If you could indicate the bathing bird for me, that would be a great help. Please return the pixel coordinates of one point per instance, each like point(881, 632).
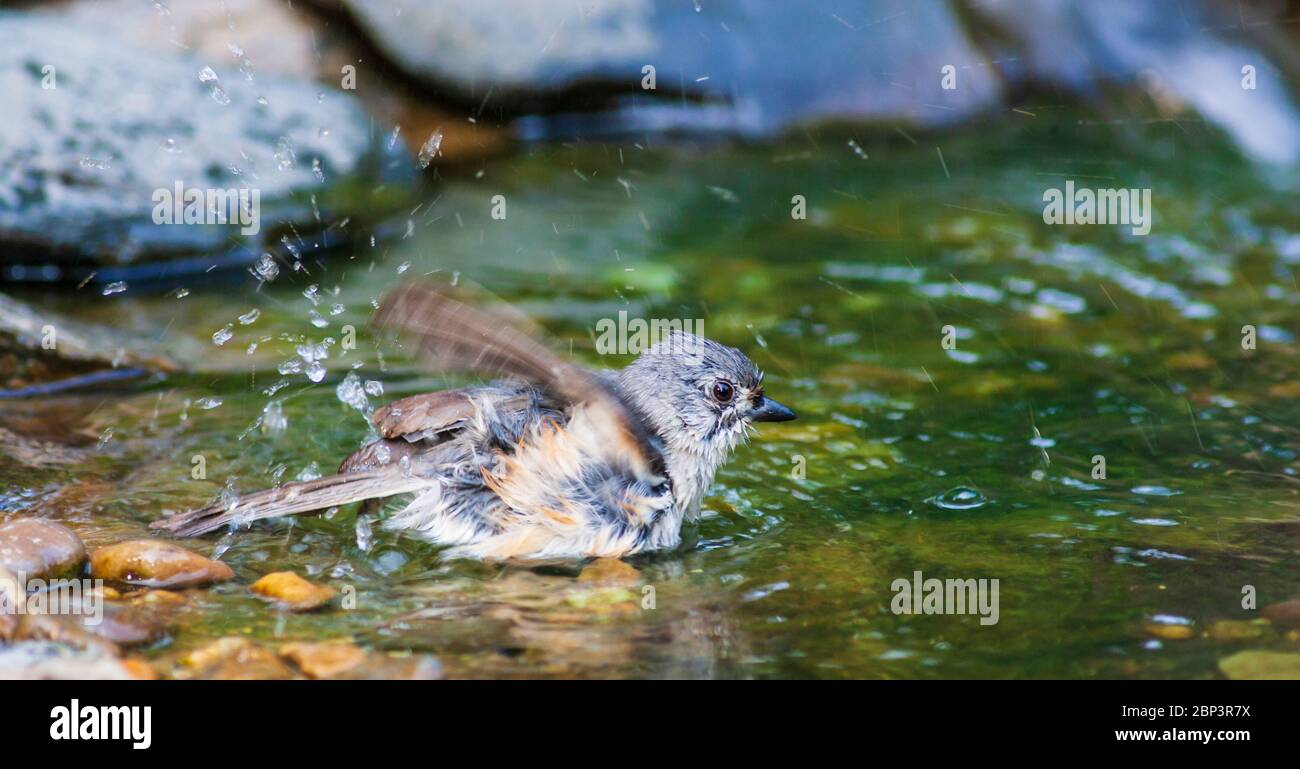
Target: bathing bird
point(551, 460)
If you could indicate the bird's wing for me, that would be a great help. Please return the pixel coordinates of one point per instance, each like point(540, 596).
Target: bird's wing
point(428, 414)
point(453, 334)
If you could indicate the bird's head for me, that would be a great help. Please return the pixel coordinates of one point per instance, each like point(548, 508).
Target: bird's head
point(699, 396)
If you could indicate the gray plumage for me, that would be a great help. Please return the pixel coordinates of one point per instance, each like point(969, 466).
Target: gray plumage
point(556, 461)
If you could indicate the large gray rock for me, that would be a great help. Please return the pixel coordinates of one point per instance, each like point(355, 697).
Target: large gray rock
point(92, 129)
point(748, 66)
point(757, 68)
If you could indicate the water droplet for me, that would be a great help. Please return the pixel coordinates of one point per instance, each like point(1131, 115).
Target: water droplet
point(959, 498)
point(249, 317)
point(273, 419)
point(351, 392)
point(116, 287)
point(266, 269)
point(365, 534)
point(284, 154)
point(430, 149)
point(207, 404)
point(223, 334)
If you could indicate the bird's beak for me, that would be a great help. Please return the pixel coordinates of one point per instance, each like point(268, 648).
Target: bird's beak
point(771, 411)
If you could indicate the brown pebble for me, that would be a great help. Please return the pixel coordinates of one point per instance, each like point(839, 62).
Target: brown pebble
point(1238, 630)
point(153, 563)
point(1285, 614)
point(610, 571)
point(420, 667)
point(139, 669)
point(292, 592)
point(35, 548)
point(1169, 632)
point(1261, 665)
point(234, 658)
point(322, 660)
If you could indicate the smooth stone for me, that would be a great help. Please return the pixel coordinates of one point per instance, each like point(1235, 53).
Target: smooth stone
point(420, 667)
point(81, 349)
point(63, 631)
point(43, 660)
point(1285, 614)
point(122, 123)
point(322, 660)
point(758, 69)
point(289, 591)
point(1238, 630)
point(139, 669)
point(10, 597)
point(733, 61)
point(1261, 665)
point(153, 563)
point(35, 548)
point(1169, 631)
point(233, 658)
point(610, 571)
point(117, 623)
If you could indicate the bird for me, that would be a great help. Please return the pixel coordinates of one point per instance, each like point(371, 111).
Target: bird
point(552, 460)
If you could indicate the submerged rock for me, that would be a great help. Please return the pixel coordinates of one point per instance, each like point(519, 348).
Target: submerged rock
point(53, 661)
point(419, 667)
point(610, 571)
point(38, 549)
point(1234, 630)
point(289, 591)
point(1285, 614)
point(1261, 665)
point(233, 658)
point(152, 563)
point(42, 351)
point(98, 137)
point(323, 660)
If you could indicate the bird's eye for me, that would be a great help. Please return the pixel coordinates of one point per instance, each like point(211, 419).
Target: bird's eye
point(723, 392)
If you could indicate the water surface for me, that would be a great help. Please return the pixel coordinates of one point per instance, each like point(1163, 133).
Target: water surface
point(976, 462)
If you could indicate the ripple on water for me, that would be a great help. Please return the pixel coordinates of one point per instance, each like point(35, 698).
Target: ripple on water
point(958, 498)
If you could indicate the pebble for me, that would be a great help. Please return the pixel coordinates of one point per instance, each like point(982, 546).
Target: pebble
point(289, 591)
point(323, 660)
point(1261, 665)
point(153, 563)
point(1285, 614)
point(610, 571)
point(233, 658)
point(1169, 632)
point(1238, 630)
point(39, 549)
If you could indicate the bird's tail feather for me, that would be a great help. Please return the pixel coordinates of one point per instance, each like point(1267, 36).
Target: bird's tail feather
point(291, 499)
